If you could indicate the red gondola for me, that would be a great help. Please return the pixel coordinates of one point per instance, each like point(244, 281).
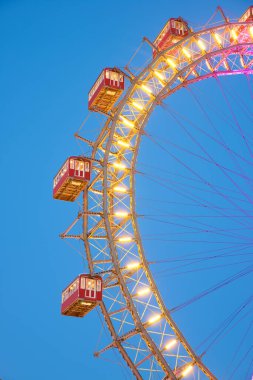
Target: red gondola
point(106, 90)
point(174, 30)
point(82, 295)
point(71, 179)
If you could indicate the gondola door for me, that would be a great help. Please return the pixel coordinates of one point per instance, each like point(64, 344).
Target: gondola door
point(81, 169)
point(90, 289)
point(77, 168)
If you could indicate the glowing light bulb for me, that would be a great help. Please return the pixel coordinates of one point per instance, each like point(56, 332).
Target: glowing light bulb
point(186, 53)
point(171, 63)
point(226, 65)
point(120, 189)
point(217, 38)
point(242, 62)
point(123, 143)
point(138, 106)
point(159, 75)
point(187, 370)
point(133, 265)
point(201, 45)
point(127, 122)
point(125, 239)
point(143, 291)
point(208, 65)
point(146, 89)
point(234, 34)
point(154, 319)
point(251, 31)
point(121, 214)
point(171, 344)
point(119, 165)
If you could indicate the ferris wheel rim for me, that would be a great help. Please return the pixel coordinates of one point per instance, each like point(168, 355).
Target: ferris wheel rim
point(112, 122)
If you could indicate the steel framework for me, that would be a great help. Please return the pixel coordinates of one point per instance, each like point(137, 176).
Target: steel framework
point(141, 326)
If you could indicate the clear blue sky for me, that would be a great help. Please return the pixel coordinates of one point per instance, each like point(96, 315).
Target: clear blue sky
point(51, 53)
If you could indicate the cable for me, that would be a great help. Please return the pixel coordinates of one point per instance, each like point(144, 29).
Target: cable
point(246, 271)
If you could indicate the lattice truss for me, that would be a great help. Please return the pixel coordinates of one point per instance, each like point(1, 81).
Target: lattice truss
point(141, 326)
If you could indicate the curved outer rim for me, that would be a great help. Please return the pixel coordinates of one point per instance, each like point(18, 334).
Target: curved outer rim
point(110, 126)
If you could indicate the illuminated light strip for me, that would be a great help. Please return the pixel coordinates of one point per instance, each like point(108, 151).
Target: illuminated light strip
point(208, 65)
point(121, 214)
point(242, 61)
point(186, 53)
point(218, 38)
point(133, 265)
point(127, 122)
point(201, 45)
point(194, 72)
point(147, 89)
point(251, 31)
point(125, 239)
point(143, 292)
point(119, 165)
point(154, 319)
point(120, 189)
point(159, 75)
point(171, 63)
point(226, 65)
point(234, 35)
point(160, 78)
point(138, 106)
point(187, 370)
point(123, 143)
point(170, 344)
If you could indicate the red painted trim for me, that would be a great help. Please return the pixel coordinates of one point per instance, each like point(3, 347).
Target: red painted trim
point(80, 293)
point(70, 173)
point(105, 83)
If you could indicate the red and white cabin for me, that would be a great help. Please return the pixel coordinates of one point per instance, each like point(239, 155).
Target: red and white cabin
point(82, 295)
point(247, 16)
point(175, 30)
point(72, 178)
point(106, 90)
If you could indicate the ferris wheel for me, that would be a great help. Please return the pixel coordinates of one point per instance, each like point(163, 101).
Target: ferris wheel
point(120, 281)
